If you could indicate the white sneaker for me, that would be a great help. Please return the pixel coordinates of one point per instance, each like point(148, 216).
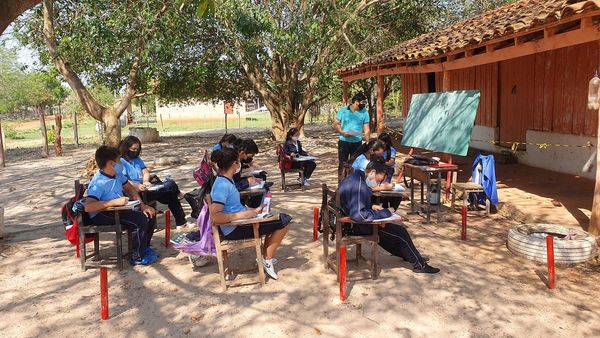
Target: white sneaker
point(274, 261)
point(269, 268)
point(199, 261)
point(307, 183)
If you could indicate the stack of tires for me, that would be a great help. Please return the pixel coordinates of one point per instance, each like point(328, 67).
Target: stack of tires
point(571, 245)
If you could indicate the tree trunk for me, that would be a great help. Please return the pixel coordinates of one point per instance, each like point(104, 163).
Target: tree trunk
point(57, 138)
point(75, 132)
point(2, 153)
point(594, 227)
point(112, 131)
point(42, 113)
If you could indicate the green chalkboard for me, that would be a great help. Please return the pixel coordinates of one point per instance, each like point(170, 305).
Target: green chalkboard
point(441, 121)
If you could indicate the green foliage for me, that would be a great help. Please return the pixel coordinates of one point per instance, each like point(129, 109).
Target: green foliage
point(50, 135)
point(102, 94)
point(10, 132)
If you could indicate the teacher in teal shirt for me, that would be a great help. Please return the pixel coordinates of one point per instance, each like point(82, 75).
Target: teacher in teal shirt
point(352, 125)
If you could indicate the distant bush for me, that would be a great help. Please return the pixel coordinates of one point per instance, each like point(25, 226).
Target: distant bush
point(50, 135)
point(11, 133)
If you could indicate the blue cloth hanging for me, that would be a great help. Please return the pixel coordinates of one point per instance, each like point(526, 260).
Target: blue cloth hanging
point(487, 179)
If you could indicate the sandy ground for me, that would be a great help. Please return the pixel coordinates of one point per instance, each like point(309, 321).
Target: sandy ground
point(482, 290)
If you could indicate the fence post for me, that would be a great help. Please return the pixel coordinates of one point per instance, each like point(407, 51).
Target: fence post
point(550, 255)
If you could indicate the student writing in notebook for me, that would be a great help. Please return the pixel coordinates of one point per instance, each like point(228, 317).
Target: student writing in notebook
point(293, 147)
point(355, 199)
point(226, 208)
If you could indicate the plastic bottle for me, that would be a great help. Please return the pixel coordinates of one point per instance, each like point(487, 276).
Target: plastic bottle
point(267, 203)
point(593, 89)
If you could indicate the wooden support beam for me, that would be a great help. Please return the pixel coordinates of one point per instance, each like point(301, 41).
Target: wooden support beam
point(346, 93)
point(446, 80)
point(594, 227)
point(380, 97)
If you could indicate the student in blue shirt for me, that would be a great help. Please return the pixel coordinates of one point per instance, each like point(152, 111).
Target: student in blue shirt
point(108, 188)
point(351, 123)
point(226, 207)
point(366, 153)
point(356, 201)
point(389, 155)
point(227, 141)
point(135, 170)
point(293, 147)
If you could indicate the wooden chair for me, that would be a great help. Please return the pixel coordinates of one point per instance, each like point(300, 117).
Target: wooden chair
point(333, 210)
point(224, 247)
point(467, 188)
point(346, 170)
point(87, 228)
point(285, 165)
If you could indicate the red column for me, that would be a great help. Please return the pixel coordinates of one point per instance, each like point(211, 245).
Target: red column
point(380, 97)
point(342, 268)
point(104, 293)
point(463, 228)
point(550, 253)
point(167, 228)
point(346, 92)
point(315, 224)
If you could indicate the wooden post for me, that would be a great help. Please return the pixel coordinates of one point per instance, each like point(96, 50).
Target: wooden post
point(45, 151)
point(342, 272)
point(315, 224)
point(57, 138)
point(594, 227)
point(75, 132)
point(380, 97)
point(346, 93)
point(446, 80)
point(1, 222)
point(550, 259)
point(2, 153)
point(104, 293)
point(167, 228)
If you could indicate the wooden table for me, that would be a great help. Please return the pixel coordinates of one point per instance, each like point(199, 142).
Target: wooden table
point(428, 170)
point(390, 194)
point(248, 193)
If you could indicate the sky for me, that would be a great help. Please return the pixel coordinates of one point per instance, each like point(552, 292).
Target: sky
point(25, 55)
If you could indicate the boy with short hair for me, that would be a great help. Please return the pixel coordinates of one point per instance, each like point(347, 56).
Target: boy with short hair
point(107, 189)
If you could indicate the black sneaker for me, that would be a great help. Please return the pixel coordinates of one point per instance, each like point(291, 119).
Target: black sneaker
point(426, 269)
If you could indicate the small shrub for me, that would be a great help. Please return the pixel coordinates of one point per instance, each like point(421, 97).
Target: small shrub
point(11, 133)
point(50, 135)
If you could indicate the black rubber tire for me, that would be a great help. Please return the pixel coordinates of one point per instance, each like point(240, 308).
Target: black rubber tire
point(523, 241)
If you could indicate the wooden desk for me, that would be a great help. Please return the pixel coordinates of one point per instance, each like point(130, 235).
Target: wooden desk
point(245, 195)
point(390, 194)
point(428, 170)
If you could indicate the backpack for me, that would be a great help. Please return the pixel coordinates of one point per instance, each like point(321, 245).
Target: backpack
point(285, 160)
point(420, 160)
point(203, 173)
point(70, 212)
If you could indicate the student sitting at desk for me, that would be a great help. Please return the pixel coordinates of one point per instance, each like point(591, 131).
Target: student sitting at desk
point(227, 141)
point(389, 155)
point(227, 207)
point(293, 147)
point(135, 170)
point(355, 199)
point(246, 151)
point(365, 153)
point(106, 189)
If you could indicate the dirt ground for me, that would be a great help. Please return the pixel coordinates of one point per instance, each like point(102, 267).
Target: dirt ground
point(482, 289)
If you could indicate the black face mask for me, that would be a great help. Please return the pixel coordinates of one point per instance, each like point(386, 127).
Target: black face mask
point(361, 106)
point(133, 154)
point(246, 161)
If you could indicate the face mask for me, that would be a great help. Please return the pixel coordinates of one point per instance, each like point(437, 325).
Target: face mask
point(118, 168)
point(295, 139)
point(371, 182)
point(133, 154)
point(238, 169)
point(230, 146)
point(246, 161)
point(361, 106)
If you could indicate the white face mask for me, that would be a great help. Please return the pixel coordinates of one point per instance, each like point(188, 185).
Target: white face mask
point(239, 168)
point(295, 139)
point(371, 182)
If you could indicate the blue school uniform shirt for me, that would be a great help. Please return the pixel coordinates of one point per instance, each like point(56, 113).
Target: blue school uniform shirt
point(104, 187)
point(217, 146)
point(360, 163)
point(352, 122)
point(392, 154)
point(225, 192)
point(132, 169)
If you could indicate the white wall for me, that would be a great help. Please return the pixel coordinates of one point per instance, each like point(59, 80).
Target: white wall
point(568, 160)
point(194, 111)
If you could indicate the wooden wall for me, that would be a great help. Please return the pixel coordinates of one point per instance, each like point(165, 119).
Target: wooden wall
point(545, 91)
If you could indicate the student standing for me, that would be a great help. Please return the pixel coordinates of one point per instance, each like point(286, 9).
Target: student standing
point(352, 125)
point(293, 147)
point(226, 207)
point(107, 189)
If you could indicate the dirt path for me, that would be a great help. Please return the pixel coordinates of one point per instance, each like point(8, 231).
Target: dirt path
point(483, 290)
